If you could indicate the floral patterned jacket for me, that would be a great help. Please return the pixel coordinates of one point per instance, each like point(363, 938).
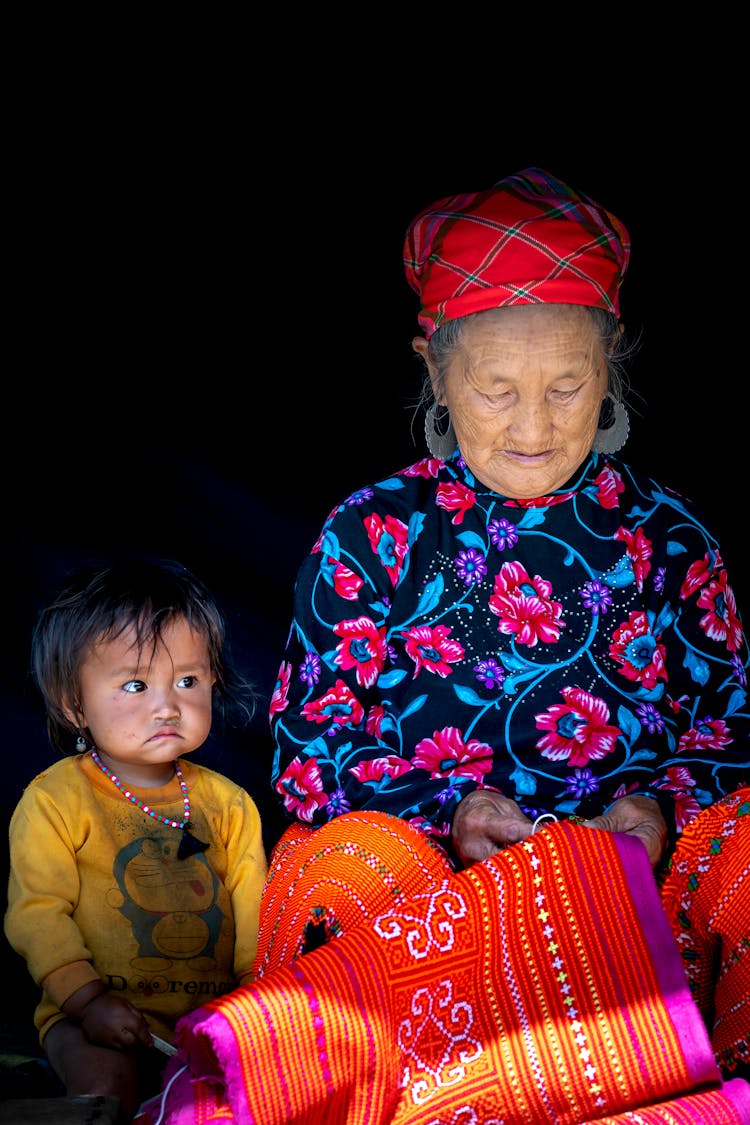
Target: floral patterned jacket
point(565, 651)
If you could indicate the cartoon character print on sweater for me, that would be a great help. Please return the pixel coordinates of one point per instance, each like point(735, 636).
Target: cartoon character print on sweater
point(170, 902)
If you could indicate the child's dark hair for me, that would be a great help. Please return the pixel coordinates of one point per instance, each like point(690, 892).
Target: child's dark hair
point(99, 603)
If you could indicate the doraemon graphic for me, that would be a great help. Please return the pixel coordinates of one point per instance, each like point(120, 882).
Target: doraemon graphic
point(170, 902)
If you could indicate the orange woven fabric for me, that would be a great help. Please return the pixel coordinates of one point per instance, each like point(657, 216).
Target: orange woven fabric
point(361, 865)
point(707, 897)
point(543, 985)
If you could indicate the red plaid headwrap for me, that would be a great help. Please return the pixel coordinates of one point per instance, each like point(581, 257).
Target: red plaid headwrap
point(528, 240)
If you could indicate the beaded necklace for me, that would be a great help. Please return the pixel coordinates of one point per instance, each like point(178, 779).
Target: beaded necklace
point(189, 845)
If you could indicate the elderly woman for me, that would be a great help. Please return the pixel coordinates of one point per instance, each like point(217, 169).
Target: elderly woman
point(514, 681)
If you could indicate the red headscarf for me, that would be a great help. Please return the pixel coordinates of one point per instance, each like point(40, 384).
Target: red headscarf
point(528, 240)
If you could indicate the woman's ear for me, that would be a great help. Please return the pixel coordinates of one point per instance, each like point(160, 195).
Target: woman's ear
point(422, 348)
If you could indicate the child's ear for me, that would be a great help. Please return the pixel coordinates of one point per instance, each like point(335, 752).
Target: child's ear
point(74, 714)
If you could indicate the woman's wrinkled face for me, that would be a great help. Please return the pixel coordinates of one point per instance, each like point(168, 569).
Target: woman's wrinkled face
point(524, 393)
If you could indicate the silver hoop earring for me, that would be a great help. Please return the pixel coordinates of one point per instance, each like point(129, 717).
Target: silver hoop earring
point(440, 444)
point(612, 438)
point(81, 743)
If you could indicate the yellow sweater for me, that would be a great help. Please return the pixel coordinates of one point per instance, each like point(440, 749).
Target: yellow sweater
point(96, 890)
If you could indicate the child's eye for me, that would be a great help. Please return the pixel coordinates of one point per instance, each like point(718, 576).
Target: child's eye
point(134, 686)
point(187, 681)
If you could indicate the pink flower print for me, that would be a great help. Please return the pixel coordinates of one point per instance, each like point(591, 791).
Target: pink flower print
point(578, 730)
point(346, 583)
point(388, 540)
point(374, 720)
point(707, 734)
point(363, 647)
point(525, 607)
point(447, 755)
point(376, 768)
point(427, 467)
point(721, 623)
point(677, 779)
point(637, 650)
point(431, 650)
point(623, 790)
point(336, 705)
point(699, 573)
point(301, 788)
point(540, 501)
point(455, 498)
point(279, 700)
point(609, 485)
point(686, 808)
point(429, 829)
point(676, 705)
point(679, 782)
point(639, 550)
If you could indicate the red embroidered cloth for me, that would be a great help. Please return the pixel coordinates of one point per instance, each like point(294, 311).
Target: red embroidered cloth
point(543, 985)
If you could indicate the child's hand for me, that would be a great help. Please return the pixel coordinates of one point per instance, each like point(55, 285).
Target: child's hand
point(111, 1021)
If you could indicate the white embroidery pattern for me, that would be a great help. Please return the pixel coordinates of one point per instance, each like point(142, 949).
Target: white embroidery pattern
point(465, 1115)
point(431, 930)
point(432, 1017)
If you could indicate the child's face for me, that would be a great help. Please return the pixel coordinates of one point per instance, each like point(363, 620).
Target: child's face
point(146, 709)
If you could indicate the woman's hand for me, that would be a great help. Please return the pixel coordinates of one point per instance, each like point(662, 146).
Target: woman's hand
point(635, 816)
point(484, 823)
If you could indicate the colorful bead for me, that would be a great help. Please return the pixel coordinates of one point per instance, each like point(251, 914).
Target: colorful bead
point(184, 823)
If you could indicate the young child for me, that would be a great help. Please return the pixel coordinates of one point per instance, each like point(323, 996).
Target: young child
point(136, 875)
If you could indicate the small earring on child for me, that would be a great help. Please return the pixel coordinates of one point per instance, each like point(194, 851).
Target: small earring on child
point(81, 743)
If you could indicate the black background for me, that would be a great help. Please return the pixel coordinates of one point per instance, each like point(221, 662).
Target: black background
point(209, 326)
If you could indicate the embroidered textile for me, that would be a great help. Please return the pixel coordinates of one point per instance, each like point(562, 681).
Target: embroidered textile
point(541, 985)
point(707, 896)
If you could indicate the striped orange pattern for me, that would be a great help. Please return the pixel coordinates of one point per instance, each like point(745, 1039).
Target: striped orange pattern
point(543, 985)
point(707, 896)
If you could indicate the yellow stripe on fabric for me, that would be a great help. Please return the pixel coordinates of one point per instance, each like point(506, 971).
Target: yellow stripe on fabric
point(532, 919)
point(710, 1108)
point(536, 923)
point(612, 976)
point(520, 990)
